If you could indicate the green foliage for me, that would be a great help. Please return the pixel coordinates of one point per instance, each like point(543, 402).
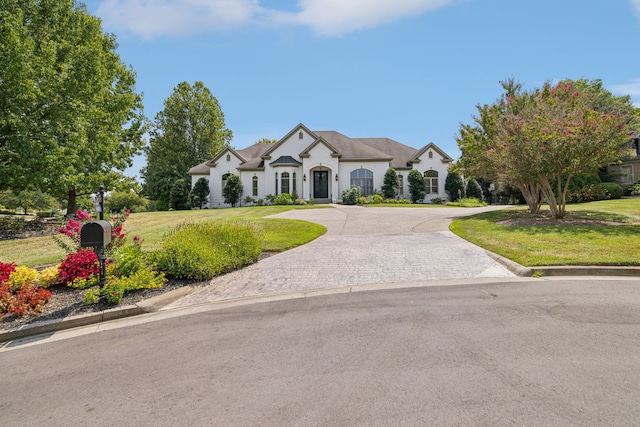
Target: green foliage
point(28, 201)
point(588, 193)
point(71, 118)
point(390, 184)
point(454, 186)
point(200, 193)
point(204, 250)
point(119, 201)
point(376, 199)
point(417, 185)
point(12, 223)
point(474, 190)
point(179, 195)
point(436, 200)
point(634, 190)
point(350, 195)
point(467, 202)
point(283, 199)
point(613, 190)
point(232, 190)
point(188, 131)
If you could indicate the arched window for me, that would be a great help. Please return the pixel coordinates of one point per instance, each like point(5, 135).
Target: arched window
point(228, 157)
point(294, 188)
point(431, 179)
point(431, 154)
point(255, 186)
point(400, 185)
point(284, 182)
point(363, 178)
point(300, 135)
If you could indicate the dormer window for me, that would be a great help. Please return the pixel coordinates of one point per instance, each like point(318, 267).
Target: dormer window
point(431, 154)
point(300, 135)
point(228, 157)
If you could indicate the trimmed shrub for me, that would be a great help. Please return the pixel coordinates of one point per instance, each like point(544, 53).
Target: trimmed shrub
point(614, 190)
point(589, 193)
point(204, 250)
point(283, 199)
point(350, 195)
point(474, 190)
point(376, 199)
point(417, 185)
point(454, 186)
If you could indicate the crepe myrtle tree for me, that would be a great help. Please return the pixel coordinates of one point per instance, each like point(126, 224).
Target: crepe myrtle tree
point(539, 140)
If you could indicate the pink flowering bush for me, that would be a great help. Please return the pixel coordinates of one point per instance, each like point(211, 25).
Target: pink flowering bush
point(74, 225)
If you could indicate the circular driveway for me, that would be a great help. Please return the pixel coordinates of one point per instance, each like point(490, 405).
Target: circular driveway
point(362, 246)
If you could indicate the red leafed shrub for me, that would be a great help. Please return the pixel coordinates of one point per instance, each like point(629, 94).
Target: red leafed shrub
point(28, 300)
point(81, 264)
point(5, 271)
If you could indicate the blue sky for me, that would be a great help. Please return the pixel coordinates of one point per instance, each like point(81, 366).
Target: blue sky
point(410, 70)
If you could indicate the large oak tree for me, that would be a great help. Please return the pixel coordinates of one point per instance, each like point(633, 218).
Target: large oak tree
point(188, 131)
point(70, 118)
point(539, 140)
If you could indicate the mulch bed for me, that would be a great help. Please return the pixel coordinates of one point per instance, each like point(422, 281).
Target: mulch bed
point(67, 302)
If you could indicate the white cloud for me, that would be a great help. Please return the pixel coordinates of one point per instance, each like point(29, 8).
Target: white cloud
point(337, 17)
point(635, 4)
point(150, 18)
point(632, 89)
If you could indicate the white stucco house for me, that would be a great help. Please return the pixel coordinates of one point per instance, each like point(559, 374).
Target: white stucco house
point(320, 165)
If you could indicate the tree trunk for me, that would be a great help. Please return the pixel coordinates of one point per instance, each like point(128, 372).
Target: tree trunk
point(531, 194)
point(71, 202)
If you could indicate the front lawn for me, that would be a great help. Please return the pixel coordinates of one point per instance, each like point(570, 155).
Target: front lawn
point(278, 234)
point(596, 233)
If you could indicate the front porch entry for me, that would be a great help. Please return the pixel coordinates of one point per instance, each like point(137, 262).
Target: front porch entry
point(321, 186)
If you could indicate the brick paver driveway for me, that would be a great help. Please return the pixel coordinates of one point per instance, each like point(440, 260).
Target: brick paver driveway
point(362, 246)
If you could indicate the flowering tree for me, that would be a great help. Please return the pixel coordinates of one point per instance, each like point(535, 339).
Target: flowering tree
point(539, 140)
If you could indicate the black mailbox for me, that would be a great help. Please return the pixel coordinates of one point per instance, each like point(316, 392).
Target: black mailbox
point(95, 234)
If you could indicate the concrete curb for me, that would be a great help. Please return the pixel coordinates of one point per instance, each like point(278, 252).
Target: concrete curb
point(146, 306)
point(565, 270)
point(155, 304)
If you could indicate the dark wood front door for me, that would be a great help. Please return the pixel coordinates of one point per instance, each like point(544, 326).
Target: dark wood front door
point(321, 185)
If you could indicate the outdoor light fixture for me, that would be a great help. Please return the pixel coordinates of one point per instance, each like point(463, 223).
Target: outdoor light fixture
point(304, 177)
point(336, 177)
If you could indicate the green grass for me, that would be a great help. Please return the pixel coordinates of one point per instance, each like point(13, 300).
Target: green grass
point(560, 244)
point(278, 234)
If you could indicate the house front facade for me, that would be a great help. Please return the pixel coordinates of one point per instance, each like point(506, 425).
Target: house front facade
point(320, 165)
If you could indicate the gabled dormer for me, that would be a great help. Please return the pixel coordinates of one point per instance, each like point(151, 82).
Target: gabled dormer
point(431, 152)
point(293, 142)
point(320, 141)
point(228, 156)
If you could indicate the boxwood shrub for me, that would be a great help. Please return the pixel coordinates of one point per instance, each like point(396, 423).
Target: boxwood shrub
point(201, 251)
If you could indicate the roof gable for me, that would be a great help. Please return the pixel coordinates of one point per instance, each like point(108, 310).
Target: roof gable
point(214, 162)
point(307, 151)
point(300, 128)
point(444, 158)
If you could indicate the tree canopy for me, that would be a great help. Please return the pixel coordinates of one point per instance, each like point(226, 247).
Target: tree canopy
point(539, 140)
point(188, 131)
point(70, 118)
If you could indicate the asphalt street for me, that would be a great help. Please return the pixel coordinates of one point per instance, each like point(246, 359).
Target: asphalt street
point(530, 352)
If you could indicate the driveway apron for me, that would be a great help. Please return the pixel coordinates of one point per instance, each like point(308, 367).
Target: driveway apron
point(361, 246)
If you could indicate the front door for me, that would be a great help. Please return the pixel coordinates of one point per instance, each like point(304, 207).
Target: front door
point(321, 184)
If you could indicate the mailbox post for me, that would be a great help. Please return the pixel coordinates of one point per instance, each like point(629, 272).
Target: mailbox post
point(97, 235)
